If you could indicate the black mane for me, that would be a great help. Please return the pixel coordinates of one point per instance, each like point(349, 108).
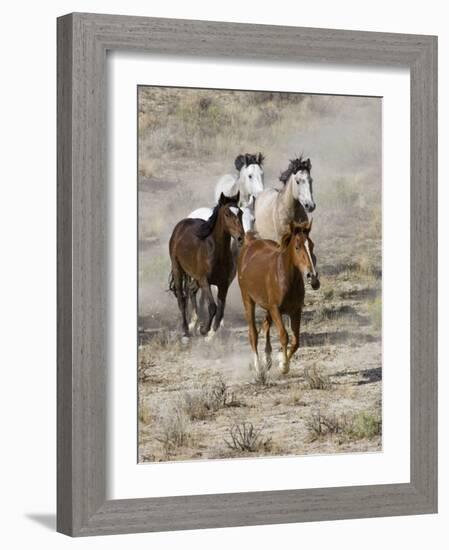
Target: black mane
point(207, 226)
point(295, 166)
point(247, 159)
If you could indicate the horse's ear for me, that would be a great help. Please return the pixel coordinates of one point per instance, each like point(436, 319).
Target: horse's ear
point(236, 198)
point(260, 159)
point(239, 162)
point(222, 199)
point(308, 165)
point(305, 227)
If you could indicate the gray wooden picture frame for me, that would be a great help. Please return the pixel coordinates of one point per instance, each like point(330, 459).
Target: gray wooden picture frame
point(83, 40)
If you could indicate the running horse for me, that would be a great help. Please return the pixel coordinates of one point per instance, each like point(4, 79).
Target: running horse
point(272, 276)
point(275, 209)
point(201, 256)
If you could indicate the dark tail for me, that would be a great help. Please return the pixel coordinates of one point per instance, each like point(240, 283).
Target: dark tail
point(171, 284)
point(186, 284)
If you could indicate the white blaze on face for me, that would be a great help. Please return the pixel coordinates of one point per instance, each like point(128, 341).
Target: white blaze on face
point(306, 245)
point(234, 210)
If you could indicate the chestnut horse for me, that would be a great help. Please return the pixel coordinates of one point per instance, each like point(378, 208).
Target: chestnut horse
point(201, 256)
point(272, 276)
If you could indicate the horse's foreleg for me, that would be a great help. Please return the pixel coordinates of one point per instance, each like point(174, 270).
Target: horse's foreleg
point(250, 307)
point(221, 302)
point(212, 308)
point(194, 308)
point(268, 349)
point(295, 323)
point(283, 337)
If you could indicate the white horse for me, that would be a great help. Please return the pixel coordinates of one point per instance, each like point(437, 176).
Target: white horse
point(249, 181)
point(275, 208)
point(248, 218)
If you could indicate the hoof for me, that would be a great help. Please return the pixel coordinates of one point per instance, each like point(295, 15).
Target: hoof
point(193, 325)
point(210, 335)
point(283, 364)
point(256, 364)
point(185, 340)
point(268, 361)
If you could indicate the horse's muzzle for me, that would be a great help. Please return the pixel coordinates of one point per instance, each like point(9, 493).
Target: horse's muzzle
point(315, 282)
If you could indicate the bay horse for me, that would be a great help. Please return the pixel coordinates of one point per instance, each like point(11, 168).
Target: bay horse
point(272, 276)
point(200, 255)
point(248, 225)
point(275, 208)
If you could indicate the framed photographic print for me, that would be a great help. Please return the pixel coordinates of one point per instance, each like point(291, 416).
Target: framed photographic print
point(247, 280)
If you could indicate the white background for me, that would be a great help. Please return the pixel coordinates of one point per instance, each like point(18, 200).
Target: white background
point(28, 199)
point(131, 480)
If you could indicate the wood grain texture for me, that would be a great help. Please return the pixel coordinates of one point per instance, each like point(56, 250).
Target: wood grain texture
point(83, 40)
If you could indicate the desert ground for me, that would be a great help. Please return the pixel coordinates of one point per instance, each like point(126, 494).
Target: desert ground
point(201, 400)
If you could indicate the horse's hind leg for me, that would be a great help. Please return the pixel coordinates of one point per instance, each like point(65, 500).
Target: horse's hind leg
point(268, 349)
point(212, 308)
point(250, 308)
point(283, 337)
point(179, 290)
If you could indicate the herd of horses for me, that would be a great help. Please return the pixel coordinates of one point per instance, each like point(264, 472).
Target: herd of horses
point(261, 234)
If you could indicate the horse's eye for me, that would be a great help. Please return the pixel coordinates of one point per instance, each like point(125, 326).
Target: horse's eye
point(250, 176)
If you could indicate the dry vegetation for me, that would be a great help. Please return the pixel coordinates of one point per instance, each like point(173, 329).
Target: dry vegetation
point(202, 400)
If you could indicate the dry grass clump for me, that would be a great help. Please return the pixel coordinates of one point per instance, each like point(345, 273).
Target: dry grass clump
point(201, 403)
point(163, 340)
point(362, 425)
point(245, 437)
point(365, 425)
point(316, 380)
point(174, 429)
point(295, 400)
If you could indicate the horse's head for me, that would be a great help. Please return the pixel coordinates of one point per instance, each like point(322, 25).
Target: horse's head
point(298, 241)
point(298, 174)
point(250, 168)
point(231, 216)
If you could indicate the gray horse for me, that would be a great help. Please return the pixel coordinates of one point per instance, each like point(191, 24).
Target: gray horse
point(275, 209)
